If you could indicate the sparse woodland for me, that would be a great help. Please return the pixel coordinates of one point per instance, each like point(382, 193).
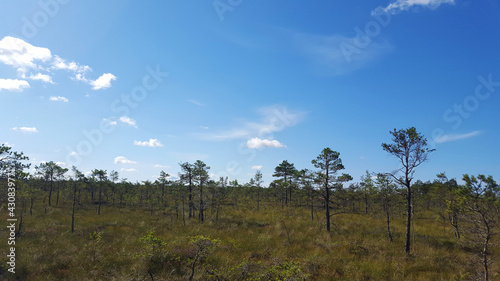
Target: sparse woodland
point(310, 223)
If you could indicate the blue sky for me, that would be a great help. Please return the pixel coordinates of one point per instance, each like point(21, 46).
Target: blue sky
point(139, 87)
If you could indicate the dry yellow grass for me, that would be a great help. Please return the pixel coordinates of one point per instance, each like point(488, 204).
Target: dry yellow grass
point(267, 245)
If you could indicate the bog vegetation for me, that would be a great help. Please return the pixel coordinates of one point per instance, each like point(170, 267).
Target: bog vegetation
point(312, 224)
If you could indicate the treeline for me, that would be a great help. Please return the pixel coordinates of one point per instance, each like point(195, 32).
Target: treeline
point(470, 210)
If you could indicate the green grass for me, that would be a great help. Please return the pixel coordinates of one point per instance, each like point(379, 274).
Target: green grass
point(270, 244)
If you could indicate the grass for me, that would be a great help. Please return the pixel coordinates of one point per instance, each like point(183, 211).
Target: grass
point(272, 244)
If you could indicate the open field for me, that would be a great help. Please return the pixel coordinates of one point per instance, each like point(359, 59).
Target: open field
point(271, 244)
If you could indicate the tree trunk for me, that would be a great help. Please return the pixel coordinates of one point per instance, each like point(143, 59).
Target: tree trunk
point(50, 192)
point(312, 206)
point(202, 218)
point(485, 263)
point(408, 221)
point(327, 200)
point(193, 267)
point(258, 198)
point(327, 206)
point(183, 212)
point(388, 224)
point(190, 200)
point(58, 191)
point(454, 222)
point(162, 192)
point(366, 204)
point(100, 197)
point(32, 200)
point(73, 212)
point(286, 193)
point(485, 254)
point(18, 233)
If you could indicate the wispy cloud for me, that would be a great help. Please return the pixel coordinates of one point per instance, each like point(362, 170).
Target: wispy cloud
point(261, 143)
point(404, 5)
point(150, 143)
point(129, 170)
point(257, 167)
point(41, 77)
point(455, 137)
point(127, 120)
point(28, 59)
point(13, 85)
point(123, 160)
point(339, 54)
point(25, 130)
point(161, 166)
point(196, 102)
point(109, 122)
point(61, 64)
point(59, 98)
point(273, 119)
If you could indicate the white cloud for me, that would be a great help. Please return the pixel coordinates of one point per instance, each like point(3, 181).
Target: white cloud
point(13, 84)
point(213, 176)
point(123, 120)
point(340, 54)
point(41, 77)
point(131, 170)
point(26, 130)
point(74, 153)
point(273, 119)
point(257, 167)
point(103, 82)
point(123, 160)
point(129, 121)
point(404, 5)
point(59, 63)
point(195, 102)
point(260, 143)
point(22, 55)
point(161, 166)
point(62, 164)
point(150, 143)
point(59, 98)
point(455, 137)
point(109, 122)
